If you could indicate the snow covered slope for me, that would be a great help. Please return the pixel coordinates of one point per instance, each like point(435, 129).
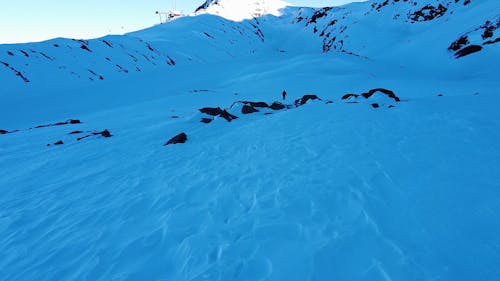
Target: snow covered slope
point(184, 162)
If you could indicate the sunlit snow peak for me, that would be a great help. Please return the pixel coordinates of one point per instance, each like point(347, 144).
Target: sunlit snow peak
point(238, 10)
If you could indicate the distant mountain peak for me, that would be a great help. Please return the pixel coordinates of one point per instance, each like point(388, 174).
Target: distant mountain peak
point(241, 9)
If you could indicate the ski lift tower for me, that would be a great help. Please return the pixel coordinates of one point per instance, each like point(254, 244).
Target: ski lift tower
point(169, 15)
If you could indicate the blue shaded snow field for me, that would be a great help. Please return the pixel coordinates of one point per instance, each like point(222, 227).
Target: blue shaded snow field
point(398, 183)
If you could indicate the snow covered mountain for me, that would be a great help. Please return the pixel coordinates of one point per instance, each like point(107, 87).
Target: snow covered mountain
point(170, 154)
point(243, 9)
point(368, 30)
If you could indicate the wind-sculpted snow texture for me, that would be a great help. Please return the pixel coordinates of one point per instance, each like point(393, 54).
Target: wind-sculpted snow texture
point(171, 154)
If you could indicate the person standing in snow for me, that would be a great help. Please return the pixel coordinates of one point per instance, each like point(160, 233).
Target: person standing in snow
point(284, 94)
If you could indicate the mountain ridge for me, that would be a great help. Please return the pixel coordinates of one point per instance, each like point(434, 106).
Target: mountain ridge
point(337, 28)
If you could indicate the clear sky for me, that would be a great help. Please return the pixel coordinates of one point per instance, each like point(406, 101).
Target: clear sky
point(36, 20)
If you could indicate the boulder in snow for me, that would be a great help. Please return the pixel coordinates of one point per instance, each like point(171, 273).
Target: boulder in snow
point(277, 106)
point(305, 99)
point(217, 111)
point(180, 138)
point(247, 109)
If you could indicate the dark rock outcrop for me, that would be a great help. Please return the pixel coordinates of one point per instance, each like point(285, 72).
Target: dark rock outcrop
point(459, 43)
point(348, 96)
point(170, 61)
point(492, 41)
point(84, 47)
point(428, 13)
point(389, 93)
point(305, 99)
point(59, 142)
point(277, 106)
point(212, 111)
point(180, 138)
point(228, 116)
point(206, 120)
point(3, 132)
point(16, 72)
point(468, 50)
point(217, 111)
point(247, 109)
point(104, 133)
point(474, 40)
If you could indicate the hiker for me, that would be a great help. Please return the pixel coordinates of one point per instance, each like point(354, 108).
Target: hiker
point(284, 94)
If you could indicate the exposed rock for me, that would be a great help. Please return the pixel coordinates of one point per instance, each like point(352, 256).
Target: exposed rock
point(487, 34)
point(59, 142)
point(492, 41)
point(107, 43)
point(319, 14)
point(248, 109)
point(170, 61)
point(347, 96)
point(16, 72)
point(463, 46)
point(75, 132)
point(468, 50)
point(305, 99)
point(228, 116)
point(375, 105)
point(71, 121)
point(3, 132)
point(277, 106)
point(428, 13)
point(389, 93)
point(212, 111)
point(459, 43)
point(84, 47)
point(104, 133)
point(217, 111)
point(180, 138)
point(206, 120)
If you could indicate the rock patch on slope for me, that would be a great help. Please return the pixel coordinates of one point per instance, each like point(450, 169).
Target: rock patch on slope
point(377, 98)
point(217, 111)
point(180, 138)
point(476, 40)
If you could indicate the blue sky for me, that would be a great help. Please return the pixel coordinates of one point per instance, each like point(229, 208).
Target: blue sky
point(36, 20)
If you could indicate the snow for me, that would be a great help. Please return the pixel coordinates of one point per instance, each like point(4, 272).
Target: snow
point(323, 191)
point(242, 9)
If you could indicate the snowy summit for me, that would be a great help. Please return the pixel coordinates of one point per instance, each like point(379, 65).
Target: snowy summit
point(238, 10)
